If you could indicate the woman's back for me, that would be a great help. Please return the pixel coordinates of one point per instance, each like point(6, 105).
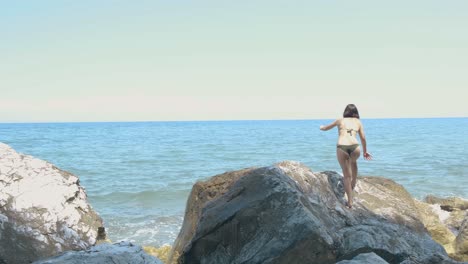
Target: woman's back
point(348, 127)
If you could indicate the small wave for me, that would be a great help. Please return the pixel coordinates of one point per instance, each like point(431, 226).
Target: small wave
point(149, 230)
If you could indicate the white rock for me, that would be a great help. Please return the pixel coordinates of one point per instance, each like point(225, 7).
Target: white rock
point(43, 210)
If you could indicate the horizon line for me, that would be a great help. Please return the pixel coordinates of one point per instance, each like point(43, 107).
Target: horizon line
point(214, 120)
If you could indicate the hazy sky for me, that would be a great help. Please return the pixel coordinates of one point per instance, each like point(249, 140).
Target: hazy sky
point(204, 60)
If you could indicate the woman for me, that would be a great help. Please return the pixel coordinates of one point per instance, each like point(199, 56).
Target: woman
point(347, 148)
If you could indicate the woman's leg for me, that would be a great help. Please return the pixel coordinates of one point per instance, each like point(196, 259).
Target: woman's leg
point(354, 169)
point(344, 160)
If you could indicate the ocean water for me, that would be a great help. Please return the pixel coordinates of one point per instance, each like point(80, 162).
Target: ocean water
point(138, 175)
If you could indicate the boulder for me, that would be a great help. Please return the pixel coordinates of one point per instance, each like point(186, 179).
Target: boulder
point(451, 211)
point(365, 258)
point(43, 210)
point(444, 218)
point(430, 217)
point(122, 252)
point(448, 204)
point(288, 214)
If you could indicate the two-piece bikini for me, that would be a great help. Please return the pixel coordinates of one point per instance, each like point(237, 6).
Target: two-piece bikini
point(348, 148)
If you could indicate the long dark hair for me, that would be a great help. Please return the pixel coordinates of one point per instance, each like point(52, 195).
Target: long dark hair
point(351, 111)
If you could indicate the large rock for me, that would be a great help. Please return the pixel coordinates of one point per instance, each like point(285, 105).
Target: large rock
point(43, 210)
point(122, 253)
point(288, 214)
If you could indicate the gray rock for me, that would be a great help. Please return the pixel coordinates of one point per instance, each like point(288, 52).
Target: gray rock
point(288, 214)
point(435, 259)
point(118, 253)
point(365, 258)
point(43, 210)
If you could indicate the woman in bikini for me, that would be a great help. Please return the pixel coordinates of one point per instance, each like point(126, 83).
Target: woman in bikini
point(347, 148)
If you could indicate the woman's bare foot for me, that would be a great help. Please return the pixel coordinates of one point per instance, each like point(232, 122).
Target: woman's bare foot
point(348, 205)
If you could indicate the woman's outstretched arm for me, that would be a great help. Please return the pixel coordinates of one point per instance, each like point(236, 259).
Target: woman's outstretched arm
point(330, 126)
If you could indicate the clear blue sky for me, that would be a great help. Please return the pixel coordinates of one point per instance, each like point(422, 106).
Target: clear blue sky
point(202, 60)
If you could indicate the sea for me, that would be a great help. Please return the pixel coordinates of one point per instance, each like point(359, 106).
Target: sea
point(138, 175)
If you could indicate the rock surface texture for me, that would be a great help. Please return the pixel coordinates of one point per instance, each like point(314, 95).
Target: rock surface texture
point(121, 253)
point(43, 210)
point(445, 218)
point(430, 217)
point(288, 214)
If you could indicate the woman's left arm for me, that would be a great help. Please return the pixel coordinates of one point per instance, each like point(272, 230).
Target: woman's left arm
point(362, 135)
point(330, 126)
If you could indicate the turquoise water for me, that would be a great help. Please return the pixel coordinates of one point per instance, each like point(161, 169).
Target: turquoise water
point(138, 175)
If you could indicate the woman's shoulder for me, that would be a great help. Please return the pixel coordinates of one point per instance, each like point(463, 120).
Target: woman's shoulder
point(359, 123)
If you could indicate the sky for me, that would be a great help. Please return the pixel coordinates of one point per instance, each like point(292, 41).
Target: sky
point(75, 61)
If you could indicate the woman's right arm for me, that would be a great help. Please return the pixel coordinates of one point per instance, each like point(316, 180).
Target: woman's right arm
point(362, 135)
point(330, 126)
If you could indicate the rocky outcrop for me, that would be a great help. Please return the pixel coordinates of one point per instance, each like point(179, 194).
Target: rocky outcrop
point(444, 218)
point(288, 214)
point(123, 252)
point(430, 217)
point(43, 210)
